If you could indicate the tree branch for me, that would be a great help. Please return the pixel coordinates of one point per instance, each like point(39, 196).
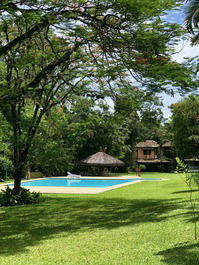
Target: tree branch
point(50, 67)
point(4, 49)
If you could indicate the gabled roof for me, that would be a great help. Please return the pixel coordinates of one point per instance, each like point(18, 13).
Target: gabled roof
point(148, 143)
point(101, 159)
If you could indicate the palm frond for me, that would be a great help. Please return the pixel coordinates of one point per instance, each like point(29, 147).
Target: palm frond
point(192, 15)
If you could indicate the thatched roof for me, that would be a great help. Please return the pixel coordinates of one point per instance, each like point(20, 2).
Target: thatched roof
point(147, 144)
point(101, 159)
point(167, 144)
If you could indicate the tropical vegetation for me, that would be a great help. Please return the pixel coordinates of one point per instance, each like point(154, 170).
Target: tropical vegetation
point(9, 198)
point(53, 51)
point(185, 127)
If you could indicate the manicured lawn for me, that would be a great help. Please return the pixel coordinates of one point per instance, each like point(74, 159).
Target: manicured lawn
point(148, 223)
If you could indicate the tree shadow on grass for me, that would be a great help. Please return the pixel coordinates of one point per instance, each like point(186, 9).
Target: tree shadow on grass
point(24, 226)
point(183, 254)
point(185, 191)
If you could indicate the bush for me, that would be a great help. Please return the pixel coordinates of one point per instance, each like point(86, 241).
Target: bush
point(142, 167)
point(8, 198)
point(139, 168)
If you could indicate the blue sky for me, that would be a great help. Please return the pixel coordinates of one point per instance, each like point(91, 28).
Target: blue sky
point(176, 16)
point(185, 50)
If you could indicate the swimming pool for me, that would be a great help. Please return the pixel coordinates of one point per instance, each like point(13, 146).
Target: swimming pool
point(71, 182)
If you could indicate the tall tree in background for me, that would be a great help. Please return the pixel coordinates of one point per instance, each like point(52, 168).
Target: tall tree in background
point(88, 126)
point(142, 115)
point(151, 120)
point(51, 50)
point(5, 149)
point(77, 132)
point(97, 129)
point(185, 127)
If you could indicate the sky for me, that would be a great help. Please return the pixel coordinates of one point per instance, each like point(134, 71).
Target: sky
point(184, 49)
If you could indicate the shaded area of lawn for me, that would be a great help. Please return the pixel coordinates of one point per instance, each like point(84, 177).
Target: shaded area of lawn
point(137, 224)
point(185, 191)
point(182, 254)
point(26, 226)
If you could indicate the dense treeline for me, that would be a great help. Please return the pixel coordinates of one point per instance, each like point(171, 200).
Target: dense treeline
point(69, 133)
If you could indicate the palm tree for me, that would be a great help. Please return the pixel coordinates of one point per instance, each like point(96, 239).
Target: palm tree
point(192, 19)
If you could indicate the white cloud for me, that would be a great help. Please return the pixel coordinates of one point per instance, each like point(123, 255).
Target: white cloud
point(184, 49)
point(168, 101)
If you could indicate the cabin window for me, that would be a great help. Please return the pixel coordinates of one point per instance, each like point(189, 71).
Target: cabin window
point(147, 152)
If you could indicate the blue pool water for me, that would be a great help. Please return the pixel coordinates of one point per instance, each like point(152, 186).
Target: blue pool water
point(67, 182)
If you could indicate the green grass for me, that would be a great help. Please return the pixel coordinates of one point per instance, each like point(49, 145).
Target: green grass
point(148, 223)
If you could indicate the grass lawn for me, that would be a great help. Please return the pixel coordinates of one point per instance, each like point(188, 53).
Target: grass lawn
point(148, 223)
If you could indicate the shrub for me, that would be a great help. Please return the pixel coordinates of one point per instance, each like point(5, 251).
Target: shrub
point(8, 198)
point(139, 168)
point(142, 167)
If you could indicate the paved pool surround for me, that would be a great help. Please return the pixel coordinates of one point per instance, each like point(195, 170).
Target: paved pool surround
point(79, 190)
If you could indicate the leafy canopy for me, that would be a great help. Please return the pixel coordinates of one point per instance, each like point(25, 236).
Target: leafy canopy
point(185, 127)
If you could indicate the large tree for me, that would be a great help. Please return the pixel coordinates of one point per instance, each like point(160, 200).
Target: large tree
point(51, 50)
point(185, 127)
point(142, 115)
point(77, 132)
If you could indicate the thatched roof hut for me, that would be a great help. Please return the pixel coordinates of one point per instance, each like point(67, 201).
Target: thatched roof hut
point(148, 144)
point(101, 159)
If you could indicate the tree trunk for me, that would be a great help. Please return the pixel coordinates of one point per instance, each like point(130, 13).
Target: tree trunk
point(16, 147)
point(17, 181)
point(21, 147)
point(19, 170)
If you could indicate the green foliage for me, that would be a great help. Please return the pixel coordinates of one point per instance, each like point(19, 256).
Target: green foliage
point(142, 167)
point(185, 127)
point(9, 198)
point(6, 167)
point(5, 136)
point(191, 177)
point(88, 126)
point(151, 120)
point(181, 166)
point(75, 133)
point(52, 153)
point(143, 116)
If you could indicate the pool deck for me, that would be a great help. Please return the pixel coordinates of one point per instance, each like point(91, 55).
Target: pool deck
point(78, 190)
